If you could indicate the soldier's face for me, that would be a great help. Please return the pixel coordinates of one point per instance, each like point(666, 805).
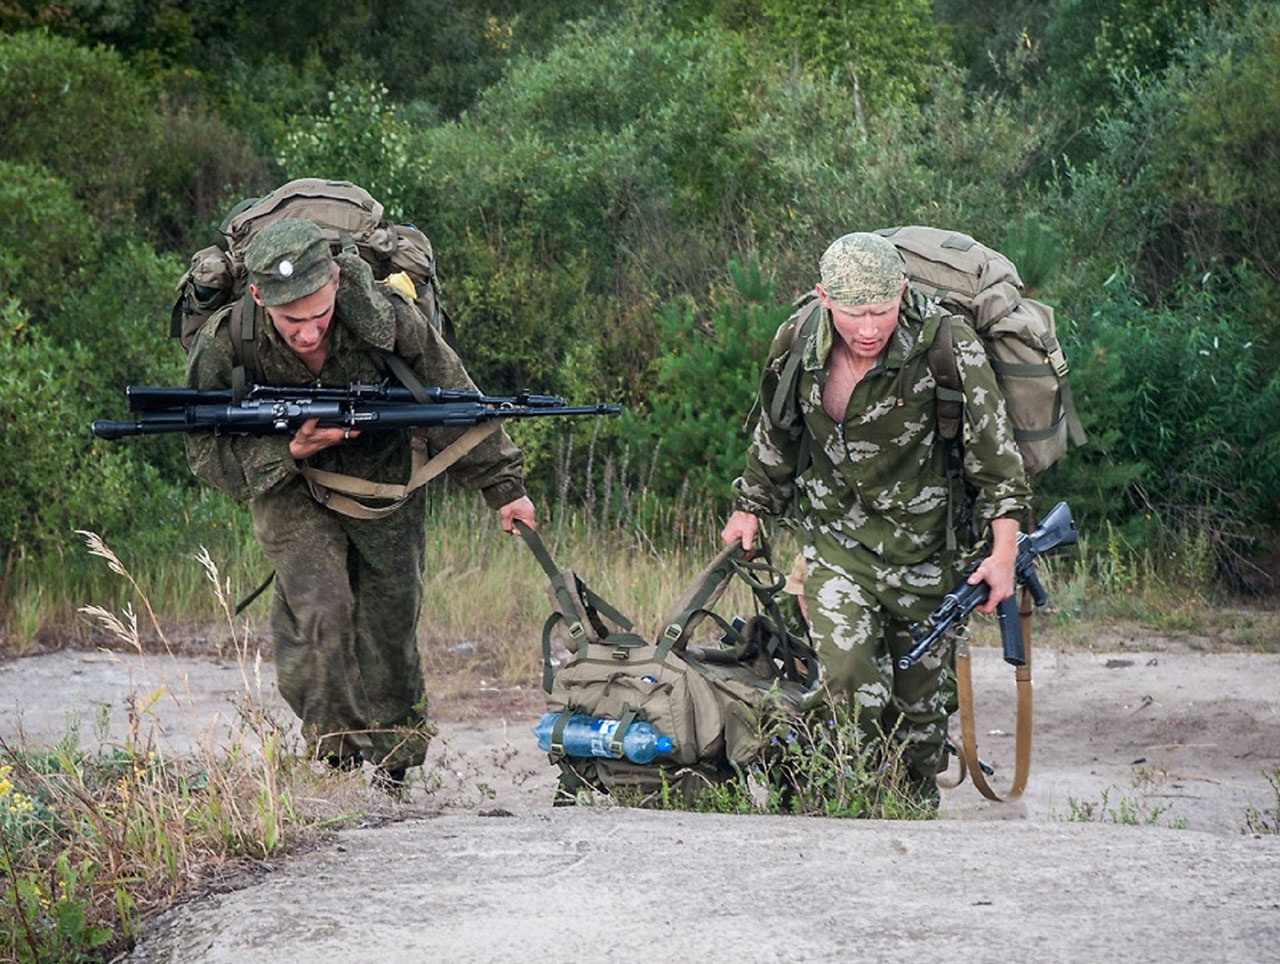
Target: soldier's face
point(304, 324)
point(865, 329)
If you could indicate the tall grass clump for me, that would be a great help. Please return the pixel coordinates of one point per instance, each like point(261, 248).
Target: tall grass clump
point(818, 763)
point(94, 839)
point(813, 763)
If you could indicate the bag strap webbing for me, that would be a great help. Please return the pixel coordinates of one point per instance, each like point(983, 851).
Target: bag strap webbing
point(1022, 740)
point(404, 374)
point(949, 395)
point(759, 573)
point(579, 608)
point(343, 493)
point(617, 745)
point(946, 373)
point(785, 409)
point(697, 600)
point(246, 316)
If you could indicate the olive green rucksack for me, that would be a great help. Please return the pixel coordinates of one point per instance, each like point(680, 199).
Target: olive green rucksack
point(968, 278)
point(399, 254)
point(712, 700)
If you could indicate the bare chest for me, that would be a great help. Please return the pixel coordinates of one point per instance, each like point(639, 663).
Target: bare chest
point(843, 376)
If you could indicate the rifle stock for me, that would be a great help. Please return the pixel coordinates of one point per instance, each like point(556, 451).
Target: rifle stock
point(268, 410)
point(1055, 531)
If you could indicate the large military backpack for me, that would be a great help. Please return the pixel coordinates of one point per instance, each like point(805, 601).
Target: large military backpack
point(712, 700)
point(401, 258)
point(399, 254)
point(970, 279)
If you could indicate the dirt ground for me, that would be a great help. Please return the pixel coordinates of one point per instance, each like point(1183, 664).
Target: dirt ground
point(1150, 759)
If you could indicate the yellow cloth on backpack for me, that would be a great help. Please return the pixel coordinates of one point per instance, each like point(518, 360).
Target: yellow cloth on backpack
point(402, 283)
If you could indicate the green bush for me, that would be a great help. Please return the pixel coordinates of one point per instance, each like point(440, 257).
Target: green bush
point(1184, 413)
point(48, 238)
point(359, 139)
point(698, 422)
point(204, 166)
point(80, 113)
point(55, 477)
point(1184, 185)
point(883, 47)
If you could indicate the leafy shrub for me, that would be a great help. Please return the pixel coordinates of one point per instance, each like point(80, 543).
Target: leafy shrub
point(705, 382)
point(1183, 184)
point(54, 476)
point(858, 42)
point(1184, 411)
point(204, 166)
point(48, 238)
point(360, 139)
point(81, 114)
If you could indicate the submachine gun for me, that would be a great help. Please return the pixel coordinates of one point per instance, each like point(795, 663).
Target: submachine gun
point(1056, 530)
point(268, 410)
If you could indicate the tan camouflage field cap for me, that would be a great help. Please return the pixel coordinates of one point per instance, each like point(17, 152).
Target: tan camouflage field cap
point(861, 269)
point(288, 260)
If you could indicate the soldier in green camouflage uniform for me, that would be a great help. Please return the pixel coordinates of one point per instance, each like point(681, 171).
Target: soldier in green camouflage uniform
point(348, 590)
point(875, 501)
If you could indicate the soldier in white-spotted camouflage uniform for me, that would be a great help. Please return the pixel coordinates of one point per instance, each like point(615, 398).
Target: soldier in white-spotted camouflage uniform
point(876, 501)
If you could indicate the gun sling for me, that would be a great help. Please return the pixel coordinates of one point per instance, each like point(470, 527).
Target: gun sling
point(968, 734)
point(343, 493)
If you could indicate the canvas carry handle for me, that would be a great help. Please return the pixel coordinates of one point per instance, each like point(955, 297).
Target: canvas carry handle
point(579, 608)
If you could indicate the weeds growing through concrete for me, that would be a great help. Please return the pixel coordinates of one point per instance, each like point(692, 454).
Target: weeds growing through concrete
point(93, 838)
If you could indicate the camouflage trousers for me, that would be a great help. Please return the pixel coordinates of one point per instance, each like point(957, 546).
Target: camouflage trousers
point(344, 626)
point(859, 609)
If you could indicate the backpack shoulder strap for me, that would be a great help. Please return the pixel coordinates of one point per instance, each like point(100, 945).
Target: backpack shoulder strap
point(246, 318)
point(785, 409)
point(386, 361)
point(949, 397)
point(946, 373)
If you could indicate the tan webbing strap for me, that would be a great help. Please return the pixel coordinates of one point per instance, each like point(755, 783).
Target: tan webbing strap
point(1022, 739)
point(343, 492)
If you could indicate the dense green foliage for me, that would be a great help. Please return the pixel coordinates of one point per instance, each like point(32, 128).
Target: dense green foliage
point(625, 198)
point(695, 427)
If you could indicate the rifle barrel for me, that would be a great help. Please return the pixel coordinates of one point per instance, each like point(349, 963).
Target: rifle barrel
point(162, 410)
point(151, 398)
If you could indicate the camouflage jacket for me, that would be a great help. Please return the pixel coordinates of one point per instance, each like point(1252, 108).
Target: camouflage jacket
point(247, 468)
point(879, 478)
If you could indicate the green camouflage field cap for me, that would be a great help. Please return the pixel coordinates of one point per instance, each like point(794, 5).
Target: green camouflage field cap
point(288, 260)
point(862, 269)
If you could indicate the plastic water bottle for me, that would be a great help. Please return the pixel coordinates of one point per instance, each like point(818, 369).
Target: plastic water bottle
point(590, 736)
